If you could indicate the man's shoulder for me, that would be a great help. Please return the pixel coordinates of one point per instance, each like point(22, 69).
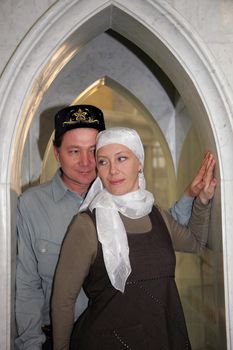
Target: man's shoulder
point(37, 191)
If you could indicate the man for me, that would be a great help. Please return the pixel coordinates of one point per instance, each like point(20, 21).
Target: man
point(44, 213)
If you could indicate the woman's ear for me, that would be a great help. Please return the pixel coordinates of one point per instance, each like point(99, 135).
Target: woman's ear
point(140, 168)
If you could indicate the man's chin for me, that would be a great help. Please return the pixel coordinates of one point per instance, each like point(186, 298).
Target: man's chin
point(87, 181)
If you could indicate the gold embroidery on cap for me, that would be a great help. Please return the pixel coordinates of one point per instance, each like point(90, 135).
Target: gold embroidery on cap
point(81, 116)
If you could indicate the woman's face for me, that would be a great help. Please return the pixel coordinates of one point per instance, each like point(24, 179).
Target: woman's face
point(118, 168)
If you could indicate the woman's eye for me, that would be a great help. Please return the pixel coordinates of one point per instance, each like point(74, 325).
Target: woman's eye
point(102, 162)
point(122, 158)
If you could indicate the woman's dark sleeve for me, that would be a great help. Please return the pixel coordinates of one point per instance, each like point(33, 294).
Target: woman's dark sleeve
point(77, 254)
point(194, 236)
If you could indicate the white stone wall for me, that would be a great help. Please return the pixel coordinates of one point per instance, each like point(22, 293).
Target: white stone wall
point(16, 19)
point(212, 20)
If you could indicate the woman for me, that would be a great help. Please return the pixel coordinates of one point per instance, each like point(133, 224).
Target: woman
point(122, 253)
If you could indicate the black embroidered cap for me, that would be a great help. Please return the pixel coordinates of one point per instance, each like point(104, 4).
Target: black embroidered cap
point(78, 116)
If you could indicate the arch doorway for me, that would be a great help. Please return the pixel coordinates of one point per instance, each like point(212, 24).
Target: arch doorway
point(122, 108)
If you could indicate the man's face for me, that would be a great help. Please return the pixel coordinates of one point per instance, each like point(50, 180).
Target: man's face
point(77, 158)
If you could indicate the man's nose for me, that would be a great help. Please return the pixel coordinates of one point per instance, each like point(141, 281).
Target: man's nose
point(86, 158)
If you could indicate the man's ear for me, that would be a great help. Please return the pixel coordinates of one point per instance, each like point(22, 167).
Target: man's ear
point(56, 153)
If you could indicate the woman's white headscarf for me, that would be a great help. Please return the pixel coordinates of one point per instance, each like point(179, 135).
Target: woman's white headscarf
point(110, 228)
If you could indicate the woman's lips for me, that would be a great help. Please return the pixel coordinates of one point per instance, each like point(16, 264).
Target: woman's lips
point(116, 182)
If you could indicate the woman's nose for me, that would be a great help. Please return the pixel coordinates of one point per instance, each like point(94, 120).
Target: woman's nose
point(113, 168)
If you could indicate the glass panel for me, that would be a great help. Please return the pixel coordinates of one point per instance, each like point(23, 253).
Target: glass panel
point(200, 276)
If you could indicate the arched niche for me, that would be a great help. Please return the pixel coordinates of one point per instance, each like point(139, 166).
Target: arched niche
point(126, 110)
point(52, 42)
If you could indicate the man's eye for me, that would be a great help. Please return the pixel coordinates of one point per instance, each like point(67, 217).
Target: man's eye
point(92, 150)
point(73, 151)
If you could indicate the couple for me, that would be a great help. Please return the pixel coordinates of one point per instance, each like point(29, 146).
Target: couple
point(45, 212)
point(121, 250)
